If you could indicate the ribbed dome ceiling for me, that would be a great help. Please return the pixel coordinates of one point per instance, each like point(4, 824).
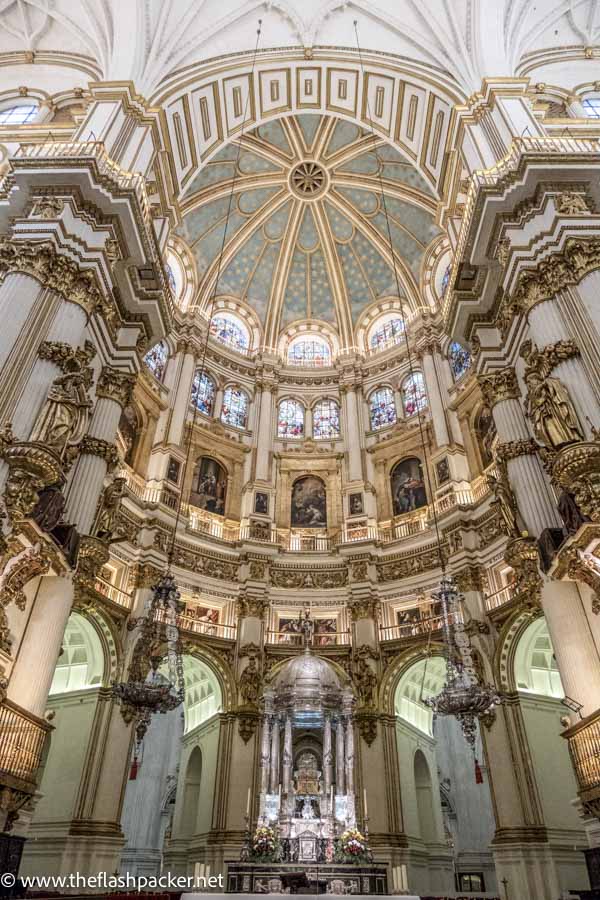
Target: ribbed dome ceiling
point(307, 237)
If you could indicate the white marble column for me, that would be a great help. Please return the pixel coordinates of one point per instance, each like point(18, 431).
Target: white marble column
point(274, 781)
point(265, 755)
point(573, 643)
point(287, 755)
point(339, 758)
point(18, 294)
point(182, 398)
point(263, 444)
point(349, 756)
point(434, 394)
point(218, 408)
point(38, 654)
point(327, 760)
point(352, 431)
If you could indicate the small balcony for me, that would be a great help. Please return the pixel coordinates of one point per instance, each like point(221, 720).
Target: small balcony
point(21, 746)
point(584, 747)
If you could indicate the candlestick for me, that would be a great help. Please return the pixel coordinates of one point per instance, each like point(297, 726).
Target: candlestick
point(248, 803)
point(365, 801)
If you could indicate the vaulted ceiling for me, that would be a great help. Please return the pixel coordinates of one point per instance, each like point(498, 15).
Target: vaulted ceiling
point(307, 232)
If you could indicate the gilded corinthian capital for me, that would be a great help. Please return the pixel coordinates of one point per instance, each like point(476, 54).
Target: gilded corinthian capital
point(498, 386)
point(115, 385)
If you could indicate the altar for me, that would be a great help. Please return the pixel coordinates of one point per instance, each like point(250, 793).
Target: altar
point(293, 878)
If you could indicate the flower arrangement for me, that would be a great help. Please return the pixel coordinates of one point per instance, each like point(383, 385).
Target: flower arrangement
point(264, 842)
point(351, 846)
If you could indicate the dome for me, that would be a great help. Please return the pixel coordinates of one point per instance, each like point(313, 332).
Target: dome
point(307, 682)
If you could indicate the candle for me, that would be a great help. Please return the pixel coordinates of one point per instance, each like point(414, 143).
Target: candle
point(248, 804)
point(365, 801)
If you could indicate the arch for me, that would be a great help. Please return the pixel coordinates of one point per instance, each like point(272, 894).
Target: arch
point(191, 793)
point(234, 411)
point(535, 668)
point(308, 503)
point(156, 360)
point(386, 331)
point(129, 432)
point(290, 418)
point(424, 788)
point(204, 392)
point(208, 489)
point(310, 350)
point(413, 394)
point(326, 419)
point(421, 679)
point(227, 328)
point(203, 694)
point(382, 408)
point(81, 665)
point(504, 657)
point(22, 113)
point(407, 484)
point(460, 360)
point(484, 430)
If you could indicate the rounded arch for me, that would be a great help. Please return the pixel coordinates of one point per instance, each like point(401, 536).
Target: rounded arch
point(413, 394)
point(326, 418)
point(291, 418)
point(536, 670)
point(424, 789)
point(82, 664)
point(420, 680)
point(504, 658)
point(382, 407)
point(191, 793)
point(204, 392)
point(394, 673)
point(235, 407)
point(386, 308)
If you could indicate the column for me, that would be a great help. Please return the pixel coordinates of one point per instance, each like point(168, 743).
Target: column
point(339, 757)
point(18, 294)
point(264, 437)
point(287, 755)
point(274, 781)
point(349, 756)
point(113, 392)
point(436, 404)
point(353, 434)
point(265, 754)
point(528, 481)
point(182, 396)
point(327, 760)
point(170, 382)
point(34, 666)
point(218, 403)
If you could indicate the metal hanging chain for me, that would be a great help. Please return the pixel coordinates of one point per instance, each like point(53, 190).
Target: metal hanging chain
point(397, 280)
point(211, 305)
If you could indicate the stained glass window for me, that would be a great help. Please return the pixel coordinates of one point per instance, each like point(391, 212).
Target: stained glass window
point(326, 420)
point(446, 280)
point(228, 331)
point(309, 352)
point(592, 107)
point(156, 360)
point(414, 395)
point(290, 421)
point(17, 115)
point(388, 334)
point(203, 393)
point(460, 359)
point(382, 408)
point(171, 278)
point(235, 408)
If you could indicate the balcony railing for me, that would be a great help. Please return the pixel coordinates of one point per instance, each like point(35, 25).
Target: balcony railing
point(293, 639)
point(584, 747)
point(113, 593)
point(197, 626)
point(412, 629)
point(22, 739)
point(499, 598)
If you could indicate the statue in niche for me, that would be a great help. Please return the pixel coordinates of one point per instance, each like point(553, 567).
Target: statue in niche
point(548, 404)
point(250, 683)
point(64, 416)
point(107, 527)
point(504, 502)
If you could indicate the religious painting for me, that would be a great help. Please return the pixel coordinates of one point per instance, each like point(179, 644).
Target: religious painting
point(128, 431)
point(408, 486)
point(442, 471)
point(173, 470)
point(486, 436)
point(209, 486)
point(309, 503)
point(287, 629)
point(261, 503)
point(325, 632)
point(355, 503)
point(206, 617)
point(408, 616)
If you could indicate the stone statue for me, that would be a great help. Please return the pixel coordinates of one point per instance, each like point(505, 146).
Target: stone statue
point(250, 683)
point(364, 676)
point(307, 627)
point(504, 501)
point(106, 528)
point(551, 411)
point(63, 419)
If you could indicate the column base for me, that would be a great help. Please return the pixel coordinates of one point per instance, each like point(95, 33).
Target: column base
point(87, 849)
point(537, 869)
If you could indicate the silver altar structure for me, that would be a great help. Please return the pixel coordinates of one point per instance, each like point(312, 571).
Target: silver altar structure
point(307, 752)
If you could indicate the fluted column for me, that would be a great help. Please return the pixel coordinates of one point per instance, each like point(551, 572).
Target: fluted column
point(327, 761)
point(265, 754)
point(263, 444)
point(349, 756)
point(434, 394)
point(113, 392)
point(18, 295)
point(182, 396)
point(353, 434)
point(287, 755)
point(38, 654)
point(339, 758)
point(274, 781)
point(528, 481)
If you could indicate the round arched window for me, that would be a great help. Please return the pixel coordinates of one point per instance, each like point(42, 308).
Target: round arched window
point(156, 360)
point(414, 395)
point(230, 331)
point(203, 393)
point(592, 107)
point(460, 359)
point(386, 332)
point(309, 351)
point(326, 420)
point(290, 419)
point(18, 115)
point(235, 408)
point(382, 408)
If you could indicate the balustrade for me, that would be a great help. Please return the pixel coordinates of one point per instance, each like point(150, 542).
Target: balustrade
point(413, 629)
point(584, 748)
point(293, 639)
point(22, 743)
point(499, 598)
point(197, 626)
point(112, 592)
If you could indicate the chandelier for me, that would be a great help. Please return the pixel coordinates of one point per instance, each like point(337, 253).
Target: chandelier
point(148, 691)
point(463, 695)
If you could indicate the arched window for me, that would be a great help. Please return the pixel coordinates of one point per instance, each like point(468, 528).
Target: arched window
point(156, 360)
point(424, 679)
point(290, 419)
point(446, 279)
point(203, 393)
point(387, 333)
point(18, 115)
point(171, 277)
point(408, 486)
point(536, 671)
point(235, 408)
point(414, 395)
point(81, 664)
point(382, 408)
point(460, 359)
point(326, 420)
point(309, 351)
point(229, 330)
point(592, 107)
point(202, 693)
